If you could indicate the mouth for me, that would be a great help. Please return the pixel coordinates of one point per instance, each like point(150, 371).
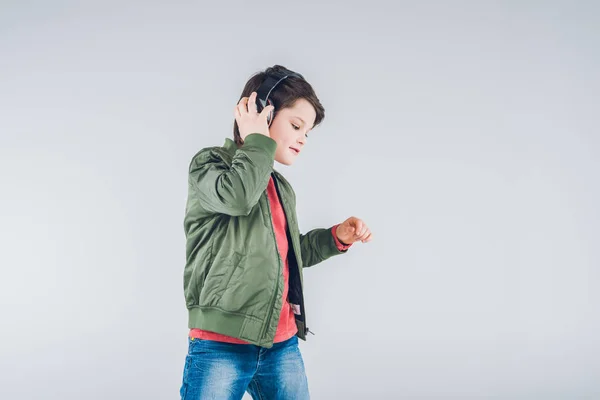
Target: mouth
point(295, 150)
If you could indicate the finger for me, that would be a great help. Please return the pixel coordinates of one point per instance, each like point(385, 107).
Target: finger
point(368, 238)
point(359, 227)
point(242, 105)
point(236, 112)
point(366, 233)
point(252, 103)
point(266, 111)
point(365, 229)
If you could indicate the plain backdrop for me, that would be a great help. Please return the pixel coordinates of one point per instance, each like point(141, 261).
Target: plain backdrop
point(466, 134)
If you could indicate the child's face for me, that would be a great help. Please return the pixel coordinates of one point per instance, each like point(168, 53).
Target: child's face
point(290, 128)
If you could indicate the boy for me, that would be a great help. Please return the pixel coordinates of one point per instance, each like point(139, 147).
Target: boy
point(243, 280)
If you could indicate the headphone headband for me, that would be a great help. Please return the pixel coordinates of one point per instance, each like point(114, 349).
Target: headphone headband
point(270, 83)
point(267, 87)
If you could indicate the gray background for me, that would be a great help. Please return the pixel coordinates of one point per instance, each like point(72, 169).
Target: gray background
point(466, 134)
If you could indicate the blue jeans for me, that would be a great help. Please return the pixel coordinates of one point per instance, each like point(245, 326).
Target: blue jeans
point(224, 371)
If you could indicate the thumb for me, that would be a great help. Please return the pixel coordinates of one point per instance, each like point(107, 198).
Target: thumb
point(266, 111)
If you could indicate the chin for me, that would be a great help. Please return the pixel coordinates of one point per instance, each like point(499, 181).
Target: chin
point(284, 161)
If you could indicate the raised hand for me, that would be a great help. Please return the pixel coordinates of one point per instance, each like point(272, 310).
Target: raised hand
point(248, 119)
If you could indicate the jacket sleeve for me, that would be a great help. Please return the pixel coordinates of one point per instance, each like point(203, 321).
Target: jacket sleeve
point(320, 244)
point(233, 190)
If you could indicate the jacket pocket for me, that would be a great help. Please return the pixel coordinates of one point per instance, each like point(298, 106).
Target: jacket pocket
point(231, 265)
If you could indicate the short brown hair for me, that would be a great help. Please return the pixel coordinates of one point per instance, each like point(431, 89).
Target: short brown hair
point(285, 94)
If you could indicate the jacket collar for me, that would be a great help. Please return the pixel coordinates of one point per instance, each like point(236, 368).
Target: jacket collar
point(230, 146)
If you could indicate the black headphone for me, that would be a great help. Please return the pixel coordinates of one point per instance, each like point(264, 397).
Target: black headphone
point(268, 85)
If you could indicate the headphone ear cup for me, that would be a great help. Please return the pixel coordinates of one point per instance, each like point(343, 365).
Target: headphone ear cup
point(271, 114)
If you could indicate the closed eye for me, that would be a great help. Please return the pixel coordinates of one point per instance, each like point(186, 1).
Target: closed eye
point(296, 127)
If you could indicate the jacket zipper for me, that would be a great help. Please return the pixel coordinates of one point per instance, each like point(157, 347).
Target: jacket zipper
point(302, 307)
point(270, 314)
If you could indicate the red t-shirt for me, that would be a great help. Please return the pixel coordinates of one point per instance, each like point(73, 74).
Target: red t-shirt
point(287, 322)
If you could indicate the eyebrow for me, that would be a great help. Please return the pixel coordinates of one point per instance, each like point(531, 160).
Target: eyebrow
point(295, 116)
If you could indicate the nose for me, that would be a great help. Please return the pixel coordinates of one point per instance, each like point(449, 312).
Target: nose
point(301, 139)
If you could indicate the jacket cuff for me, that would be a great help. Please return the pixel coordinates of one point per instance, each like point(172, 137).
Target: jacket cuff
point(340, 245)
point(261, 141)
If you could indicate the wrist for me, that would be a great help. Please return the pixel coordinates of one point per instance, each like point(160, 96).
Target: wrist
point(342, 242)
